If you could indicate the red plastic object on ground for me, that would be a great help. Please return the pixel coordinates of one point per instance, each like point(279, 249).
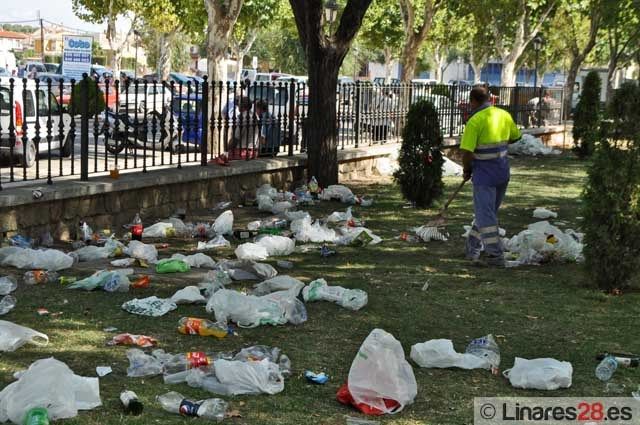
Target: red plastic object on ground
point(345, 397)
point(143, 282)
point(129, 339)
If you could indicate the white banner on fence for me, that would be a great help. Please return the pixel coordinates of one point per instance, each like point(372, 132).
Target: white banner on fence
point(76, 56)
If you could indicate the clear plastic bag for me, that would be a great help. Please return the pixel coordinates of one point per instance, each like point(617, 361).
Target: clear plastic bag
point(246, 311)
point(267, 190)
point(380, 371)
point(142, 251)
point(249, 377)
point(217, 242)
point(319, 290)
point(293, 309)
point(14, 336)
point(224, 224)
point(198, 260)
point(339, 192)
point(49, 382)
point(277, 245)
point(7, 285)
point(540, 374)
point(110, 281)
point(439, 353)
point(278, 283)
point(32, 259)
point(306, 231)
point(188, 295)
point(142, 364)
point(251, 251)
point(158, 230)
point(337, 216)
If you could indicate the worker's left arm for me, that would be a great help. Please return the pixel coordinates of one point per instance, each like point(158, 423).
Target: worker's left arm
point(468, 145)
point(514, 132)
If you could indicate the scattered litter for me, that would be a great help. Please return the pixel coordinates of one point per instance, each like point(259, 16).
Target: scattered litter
point(188, 295)
point(49, 382)
point(450, 168)
point(439, 353)
point(544, 214)
point(7, 285)
point(21, 241)
point(217, 242)
point(306, 231)
point(316, 378)
point(38, 277)
point(130, 403)
point(636, 394)
point(284, 264)
point(110, 281)
point(425, 287)
point(614, 388)
point(130, 339)
point(249, 311)
point(254, 225)
point(276, 245)
point(142, 364)
point(202, 327)
point(357, 236)
point(142, 282)
point(42, 312)
point(338, 192)
point(380, 380)
point(213, 408)
point(103, 370)
point(542, 242)
point(198, 260)
point(247, 269)
point(319, 290)
point(124, 262)
point(14, 336)
point(142, 251)
point(404, 236)
point(110, 329)
point(430, 233)
point(337, 217)
point(539, 374)
point(278, 283)
point(31, 259)
point(150, 306)
point(486, 348)
point(531, 145)
point(172, 265)
point(236, 377)
point(606, 368)
point(7, 303)
point(224, 224)
point(326, 252)
point(251, 251)
point(222, 205)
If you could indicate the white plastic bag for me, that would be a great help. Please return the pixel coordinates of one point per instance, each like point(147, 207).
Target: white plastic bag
point(150, 306)
point(337, 216)
point(267, 190)
point(282, 207)
point(158, 230)
point(110, 281)
point(217, 242)
point(278, 283)
point(14, 336)
point(543, 213)
point(92, 252)
point(246, 310)
point(359, 236)
point(305, 231)
point(318, 290)
point(450, 168)
point(380, 371)
point(123, 262)
point(265, 203)
point(540, 374)
point(340, 192)
point(247, 270)
point(188, 295)
point(49, 383)
point(26, 258)
point(430, 233)
point(277, 245)
point(439, 353)
point(251, 251)
point(293, 309)
point(248, 377)
point(224, 223)
point(198, 260)
point(142, 251)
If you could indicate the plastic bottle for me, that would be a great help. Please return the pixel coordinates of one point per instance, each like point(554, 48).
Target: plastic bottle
point(37, 416)
point(85, 233)
point(606, 368)
point(186, 361)
point(245, 234)
point(36, 277)
point(202, 327)
point(137, 228)
point(130, 403)
point(6, 304)
point(213, 408)
point(486, 348)
point(314, 188)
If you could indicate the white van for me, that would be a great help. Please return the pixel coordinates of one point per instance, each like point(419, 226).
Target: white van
point(19, 110)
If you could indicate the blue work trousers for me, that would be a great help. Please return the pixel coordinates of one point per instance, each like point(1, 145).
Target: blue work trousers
point(484, 233)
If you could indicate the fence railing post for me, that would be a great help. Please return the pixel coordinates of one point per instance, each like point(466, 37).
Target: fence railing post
point(204, 111)
point(356, 125)
point(540, 107)
point(293, 102)
point(84, 129)
point(454, 105)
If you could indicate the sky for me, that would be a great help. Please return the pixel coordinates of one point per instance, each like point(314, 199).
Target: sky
point(58, 11)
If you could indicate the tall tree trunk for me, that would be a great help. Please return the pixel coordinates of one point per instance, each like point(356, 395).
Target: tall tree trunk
point(477, 70)
point(321, 126)
point(111, 36)
point(569, 87)
point(508, 74)
point(240, 51)
point(611, 73)
point(388, 58)
point(415, 37)
point(164, 54)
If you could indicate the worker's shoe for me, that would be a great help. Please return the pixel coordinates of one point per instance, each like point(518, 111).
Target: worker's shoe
point(497, 262)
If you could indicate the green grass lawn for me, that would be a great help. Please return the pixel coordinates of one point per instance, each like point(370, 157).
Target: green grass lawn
point(545, 311)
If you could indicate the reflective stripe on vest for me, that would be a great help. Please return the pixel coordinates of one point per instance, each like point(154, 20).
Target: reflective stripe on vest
point(487, 156)
point(492, 151)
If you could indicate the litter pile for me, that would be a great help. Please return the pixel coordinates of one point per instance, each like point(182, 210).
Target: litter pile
point(542, 242)
point(531, 146)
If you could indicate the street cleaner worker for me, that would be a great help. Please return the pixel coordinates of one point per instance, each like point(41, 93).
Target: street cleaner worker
point(486, 136)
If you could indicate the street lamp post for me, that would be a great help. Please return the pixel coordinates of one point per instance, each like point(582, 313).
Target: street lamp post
point(136, 34)
point(537, 45)
point(330, 12)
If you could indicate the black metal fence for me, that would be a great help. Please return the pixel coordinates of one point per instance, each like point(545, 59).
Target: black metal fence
point(56, 129)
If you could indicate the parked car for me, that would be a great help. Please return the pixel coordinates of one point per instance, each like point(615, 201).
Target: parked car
point(31, 69)
point(149, 97)
point(425, 81)
point(262, 77)
point(379, 81)
point(126, 73)
point(4, 72)
point(23, 110)
point(52, 67)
